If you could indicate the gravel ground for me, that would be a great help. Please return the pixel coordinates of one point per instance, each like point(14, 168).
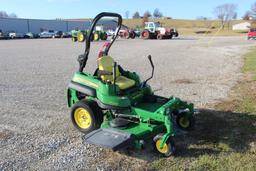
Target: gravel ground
point(35, 129)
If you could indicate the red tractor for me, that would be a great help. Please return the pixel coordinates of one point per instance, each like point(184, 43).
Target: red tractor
point(251, 34)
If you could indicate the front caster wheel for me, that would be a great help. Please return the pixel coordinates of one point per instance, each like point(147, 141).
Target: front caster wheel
point(185, 122)
point(168, 148)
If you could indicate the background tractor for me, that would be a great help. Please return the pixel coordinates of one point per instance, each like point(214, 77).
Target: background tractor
point(154, 30)
point(81, 35)
point(99, 33)
point(78, 35)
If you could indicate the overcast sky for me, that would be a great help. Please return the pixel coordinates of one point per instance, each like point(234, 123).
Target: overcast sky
point(179, 9)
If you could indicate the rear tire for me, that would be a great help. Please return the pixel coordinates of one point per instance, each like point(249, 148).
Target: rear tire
point(96, 36)
point(74, 39)
point(86, 116)
point(145, 34)
point(159, 36)
point(171, 36)
point(104, 36)
point(80, 37)
point(126, 35)
point(132, 35)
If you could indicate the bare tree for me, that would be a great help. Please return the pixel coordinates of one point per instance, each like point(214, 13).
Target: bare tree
point(202, 18)
point(234, 16)
point(147, 14)
point(12, 15)
point(225, 13)
point(157, 13)
point(4, 14)
point(127, 14)
point(136, 15)
point(253, 10)
point(145, 19)
point(247, 15)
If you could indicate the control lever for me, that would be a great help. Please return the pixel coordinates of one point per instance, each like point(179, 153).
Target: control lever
point(152, 73)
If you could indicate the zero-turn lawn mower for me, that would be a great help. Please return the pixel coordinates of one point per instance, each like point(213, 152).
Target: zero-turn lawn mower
point(115, 109)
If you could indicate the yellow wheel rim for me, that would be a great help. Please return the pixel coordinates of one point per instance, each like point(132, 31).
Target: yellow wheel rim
point(96, 36)
point(82, 118)
point(184, 122)
point(163, 150)
point(80, 37)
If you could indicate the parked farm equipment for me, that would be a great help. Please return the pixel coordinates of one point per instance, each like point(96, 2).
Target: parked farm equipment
point(81, 35)
point(154, 30)
point(126, 34)
point(251, 34)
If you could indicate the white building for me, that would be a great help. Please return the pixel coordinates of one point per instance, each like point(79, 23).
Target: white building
point(245, 26)
point(38, 25)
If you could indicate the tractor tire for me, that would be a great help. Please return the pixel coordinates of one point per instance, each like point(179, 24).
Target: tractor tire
point(96, 36)
point(126, 35)
point(168, 149)
point(159, 36)
point(132, 35)
point(184, 122)
point(170, 36)
point(80, 37)
point(86, 116)
point(145, 34)
point(74, 39)
point(103, 36)
point(92, 37)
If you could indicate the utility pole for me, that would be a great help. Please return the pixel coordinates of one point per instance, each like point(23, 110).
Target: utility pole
point(28, 25)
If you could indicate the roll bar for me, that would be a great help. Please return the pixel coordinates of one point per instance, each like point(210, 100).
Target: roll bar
point(82, 59)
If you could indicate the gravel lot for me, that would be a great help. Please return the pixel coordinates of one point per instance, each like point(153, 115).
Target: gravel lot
point(35, 128)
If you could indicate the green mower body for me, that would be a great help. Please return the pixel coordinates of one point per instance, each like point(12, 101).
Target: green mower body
point(130, 116)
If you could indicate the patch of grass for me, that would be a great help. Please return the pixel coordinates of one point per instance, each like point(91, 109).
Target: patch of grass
point(179, 23)
point(224, 138)
point(233, 161)
point(190, 27)
point(250, 63)
point(209, 32)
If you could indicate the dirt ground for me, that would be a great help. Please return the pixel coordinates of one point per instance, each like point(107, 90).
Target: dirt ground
point(35, 128)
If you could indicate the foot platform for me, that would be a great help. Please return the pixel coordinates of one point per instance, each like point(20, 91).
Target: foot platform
point(109, 138)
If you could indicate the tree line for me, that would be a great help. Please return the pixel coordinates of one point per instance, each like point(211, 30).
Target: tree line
point(4, 14)
point(228, 11)
point(147, 14)
point(250, 14)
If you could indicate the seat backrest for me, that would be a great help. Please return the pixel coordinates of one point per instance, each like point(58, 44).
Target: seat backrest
point(106, 63)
